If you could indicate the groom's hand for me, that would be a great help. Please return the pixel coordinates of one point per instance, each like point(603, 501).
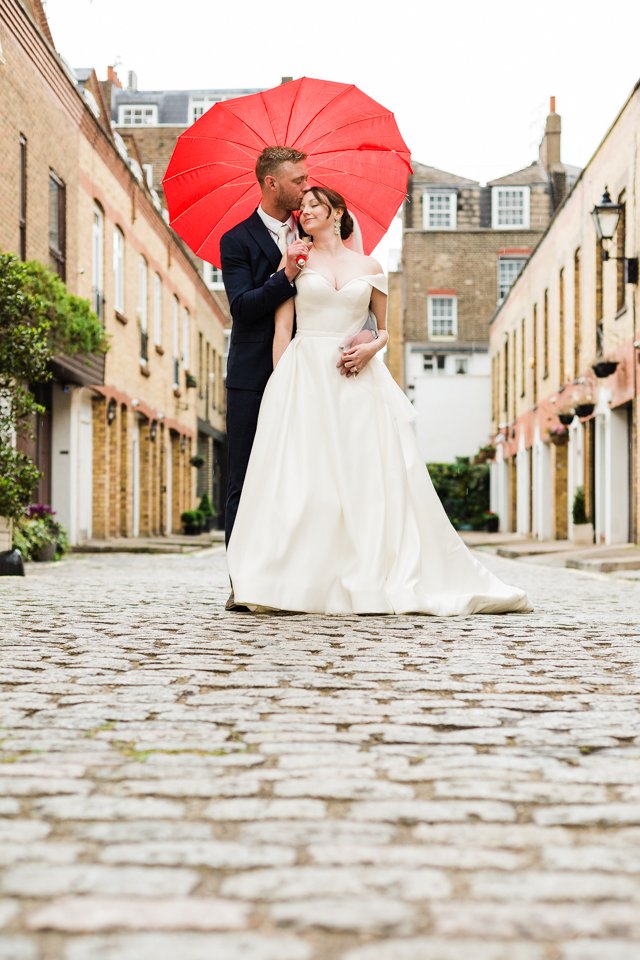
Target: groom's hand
point(348, 357)
point(296, 249)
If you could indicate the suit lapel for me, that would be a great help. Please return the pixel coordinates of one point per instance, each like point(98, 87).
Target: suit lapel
point(261, 235)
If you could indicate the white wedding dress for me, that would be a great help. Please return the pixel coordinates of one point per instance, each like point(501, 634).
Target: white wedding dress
point(338, 514)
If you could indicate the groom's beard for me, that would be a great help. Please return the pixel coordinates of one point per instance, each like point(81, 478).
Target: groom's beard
point(285, 199)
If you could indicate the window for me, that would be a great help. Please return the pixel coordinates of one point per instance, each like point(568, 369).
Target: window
point(439, 208)
point(57, 226)
point(577, 310)
point(97, 261)
point(442, 316)
point(620, 242)
point(142, 309)
point(157, 309)
point(545, 335)
point(461, 365)
point(138, 115)
point(561, 332)
point(186, 333)
point(510, 208)
point(509, 269)
point(433, 363)
point(199, 105)
point(212, 276)
point(534, 353)
point(523, 356)
point(118, 270)
point(175, 322)
point(23, 197)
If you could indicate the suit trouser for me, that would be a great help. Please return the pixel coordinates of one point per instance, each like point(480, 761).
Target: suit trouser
point(243, 407)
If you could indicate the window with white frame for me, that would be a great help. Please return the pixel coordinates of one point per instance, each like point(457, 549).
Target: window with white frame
point(137, 115)
point(461, 365)
point(509, 269)
point(212, 276)
point(442, 313)
point(199, 105)
point(186, 333)
point(510, 208)
point(118, 270)
point(97, 261)
point(142, 309)
point(175, 323)
point(439, 210)
point(157, 309)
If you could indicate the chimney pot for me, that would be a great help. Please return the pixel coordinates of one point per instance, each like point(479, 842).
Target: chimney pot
point(552, 106)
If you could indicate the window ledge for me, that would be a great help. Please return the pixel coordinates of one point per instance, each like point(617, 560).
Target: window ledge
point(121, 317)
point(159, 349)
point(144, 369)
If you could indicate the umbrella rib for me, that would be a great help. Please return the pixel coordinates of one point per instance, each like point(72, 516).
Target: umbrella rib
point(243, 122)
point(233, 205)
point(342, 93)
point(203, 166)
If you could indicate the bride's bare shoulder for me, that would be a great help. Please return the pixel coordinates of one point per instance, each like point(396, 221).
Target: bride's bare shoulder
point(368, 265)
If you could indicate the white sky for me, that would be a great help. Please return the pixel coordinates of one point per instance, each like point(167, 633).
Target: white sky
point(469, 82)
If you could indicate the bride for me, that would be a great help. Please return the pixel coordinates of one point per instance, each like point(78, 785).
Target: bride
point(338, 514)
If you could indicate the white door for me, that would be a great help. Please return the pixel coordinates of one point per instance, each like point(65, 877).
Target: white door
point(523, 481)
point(169, 491)
point(135, 460)
point(619, 481)
point(602, 493)
point(85, 469)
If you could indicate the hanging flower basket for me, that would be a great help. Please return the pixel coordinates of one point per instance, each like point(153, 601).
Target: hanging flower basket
point(604, 368)
point(584, 409)
point(559, 436)
point(566, 417)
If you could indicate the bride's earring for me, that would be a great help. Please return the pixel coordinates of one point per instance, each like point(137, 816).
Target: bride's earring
point(336, 226)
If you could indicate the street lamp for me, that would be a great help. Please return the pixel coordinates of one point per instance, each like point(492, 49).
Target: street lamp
point(606, 216)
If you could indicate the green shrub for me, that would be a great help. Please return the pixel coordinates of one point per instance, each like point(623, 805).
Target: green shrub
point(463, 488)
point(206, 507)
point(579, 507)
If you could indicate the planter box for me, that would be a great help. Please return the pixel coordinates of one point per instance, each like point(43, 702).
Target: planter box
point(46, 553)
point(585, 409)
point(582, 534)
point(604, 368)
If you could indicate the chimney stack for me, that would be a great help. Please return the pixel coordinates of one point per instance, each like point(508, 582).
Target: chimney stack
point(132, 82)
point(112, 77)
point(550, 143)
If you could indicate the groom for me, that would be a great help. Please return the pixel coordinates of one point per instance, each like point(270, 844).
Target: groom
point(251, 253)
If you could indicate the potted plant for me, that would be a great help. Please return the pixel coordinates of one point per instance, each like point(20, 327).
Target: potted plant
point(190, 381)
point(582, 529)
point(207, 510)
point(485, 453)
point(39, 536)
point(604, 367)
point(566, 417)
point(192, 522)
point(559, 436)
point(491, 521)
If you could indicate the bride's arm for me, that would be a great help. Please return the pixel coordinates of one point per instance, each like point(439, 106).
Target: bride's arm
point(358, 356)
point(284, 330)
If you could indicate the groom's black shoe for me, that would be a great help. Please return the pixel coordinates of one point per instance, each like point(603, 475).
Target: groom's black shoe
point(236, 607)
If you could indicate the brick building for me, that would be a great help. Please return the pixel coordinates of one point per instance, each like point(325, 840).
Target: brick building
point(569, 308)
point(118, 434)
point(463, 245)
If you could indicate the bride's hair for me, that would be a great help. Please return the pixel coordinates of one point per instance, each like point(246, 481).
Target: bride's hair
point(332, 200)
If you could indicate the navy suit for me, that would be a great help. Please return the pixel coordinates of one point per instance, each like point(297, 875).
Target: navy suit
point(255, 288)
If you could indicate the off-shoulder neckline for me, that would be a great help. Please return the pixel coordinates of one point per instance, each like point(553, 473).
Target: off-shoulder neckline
point(364, 276)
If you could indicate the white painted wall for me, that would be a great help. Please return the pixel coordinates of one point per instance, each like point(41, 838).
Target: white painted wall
point(85, 467)
point(499, 479)
point(135, 463)
point(542, 527)
point(523, 466)
point(612, 473)
point(453, 410)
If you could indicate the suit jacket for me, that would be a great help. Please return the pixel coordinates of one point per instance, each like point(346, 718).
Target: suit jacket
point(255, 288)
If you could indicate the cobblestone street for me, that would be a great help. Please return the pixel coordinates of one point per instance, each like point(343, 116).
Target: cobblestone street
point(182, 783)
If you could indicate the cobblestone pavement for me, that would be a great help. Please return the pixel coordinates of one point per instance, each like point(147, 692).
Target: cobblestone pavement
point(180, 783)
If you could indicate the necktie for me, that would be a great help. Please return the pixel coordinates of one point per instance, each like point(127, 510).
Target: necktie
point(283, 230)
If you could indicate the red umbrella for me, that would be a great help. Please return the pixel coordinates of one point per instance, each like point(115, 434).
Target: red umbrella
point(353, 146)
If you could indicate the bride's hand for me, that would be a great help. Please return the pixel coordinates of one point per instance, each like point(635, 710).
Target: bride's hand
point(357, 355)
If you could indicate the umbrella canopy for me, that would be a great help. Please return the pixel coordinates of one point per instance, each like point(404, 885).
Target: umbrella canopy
point(352, 143)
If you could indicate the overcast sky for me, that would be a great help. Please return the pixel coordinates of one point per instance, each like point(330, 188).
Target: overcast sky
point(469, 82)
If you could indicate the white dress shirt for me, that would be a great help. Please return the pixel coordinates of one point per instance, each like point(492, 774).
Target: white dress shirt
point(273, 225)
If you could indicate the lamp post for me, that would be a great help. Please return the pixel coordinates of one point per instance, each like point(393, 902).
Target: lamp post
point(606, 216)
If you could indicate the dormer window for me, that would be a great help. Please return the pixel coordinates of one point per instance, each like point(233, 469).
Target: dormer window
point(199, 106)
point(510, 208)
point(439, 209)
point(138, 115)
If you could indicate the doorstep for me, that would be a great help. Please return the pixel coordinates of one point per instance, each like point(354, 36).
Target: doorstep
point(173, 543)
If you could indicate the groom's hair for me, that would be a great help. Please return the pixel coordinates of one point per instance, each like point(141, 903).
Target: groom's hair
point(272, 157)
point(331, 199)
